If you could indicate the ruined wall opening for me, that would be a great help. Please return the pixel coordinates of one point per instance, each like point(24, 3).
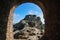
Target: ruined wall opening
point(23, 13)
point(51, 18)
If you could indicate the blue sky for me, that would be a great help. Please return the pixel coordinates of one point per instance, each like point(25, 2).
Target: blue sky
point(27, 8)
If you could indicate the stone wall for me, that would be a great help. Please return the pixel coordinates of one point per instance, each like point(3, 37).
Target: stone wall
point(51, 13)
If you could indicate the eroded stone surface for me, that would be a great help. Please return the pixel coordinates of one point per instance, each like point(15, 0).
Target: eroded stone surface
point(28, 33)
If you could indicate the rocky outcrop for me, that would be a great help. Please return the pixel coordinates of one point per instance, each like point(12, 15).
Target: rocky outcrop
point(29, 20)
point(28, 33)
point(30, 28)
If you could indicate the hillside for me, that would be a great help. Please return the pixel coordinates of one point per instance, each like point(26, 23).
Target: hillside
point(30, 26)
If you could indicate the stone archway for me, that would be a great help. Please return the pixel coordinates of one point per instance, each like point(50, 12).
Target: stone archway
point(9, 35)
point(51, 12)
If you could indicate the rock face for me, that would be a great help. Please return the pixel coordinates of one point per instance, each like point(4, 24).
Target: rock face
point(30, 28)
point(28, 33)
point(29, 20)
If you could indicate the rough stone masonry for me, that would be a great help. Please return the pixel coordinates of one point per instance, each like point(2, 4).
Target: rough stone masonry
point(51, 9)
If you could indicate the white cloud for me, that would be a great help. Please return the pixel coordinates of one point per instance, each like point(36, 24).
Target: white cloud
point(34, 12)
point(16, 14)
point(42, 18)
point(30, 12)
point(16, 18)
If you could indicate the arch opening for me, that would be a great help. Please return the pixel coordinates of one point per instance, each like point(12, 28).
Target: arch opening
point(20, 13)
